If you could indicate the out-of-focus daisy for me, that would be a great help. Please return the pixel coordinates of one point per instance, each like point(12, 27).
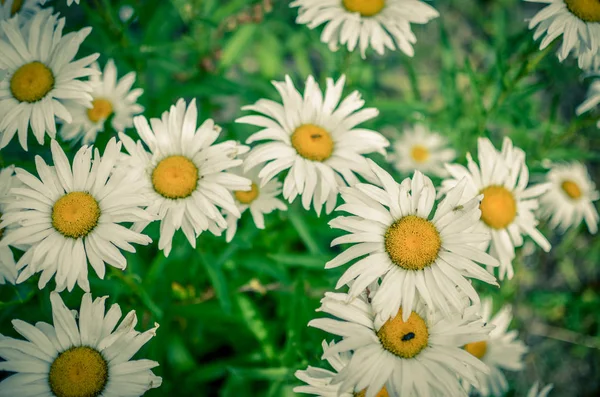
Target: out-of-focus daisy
point(417, 356)
point(500, 350)
point(69, 2)
point(420, 149)
point(592, 100)
point(8, 267)
point(81, 354)
point(25, 8)
point(508, 205)
point(535, 390)
point(415, 252)
point(569, 200)
point(577, 21)
point(183, 173)
point(111, 97)
point(40, 76)
point(259, 200)
point(379, 24)
point(316, 138)
point(69, 216)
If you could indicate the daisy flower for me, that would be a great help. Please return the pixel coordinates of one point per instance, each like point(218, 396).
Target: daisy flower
point(316, 138)
point(577, 21)
point(416, 252)
point(40, 76)
point(570, 197)
point(535, 390)
point(71, 216)
point(380, 24)
point(8, 267)
point(500, 350)
point(592, 100)
point(183, 173)
point(417, 356)
point(111, 98)
point(83, 353)
point(508, 205)
point(420, 149)
point(25, 8)
point(259, 200)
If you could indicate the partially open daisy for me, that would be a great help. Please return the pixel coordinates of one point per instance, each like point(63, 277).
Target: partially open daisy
point(260, 200)
point(577, 21)
point(535, 390)
point(112, 98)
point(40, 76)
point(508, 205)
point(82, 354)
point(420, 355)
point(25, 8)
point(500, 350)
point(417, 253)
point(379, 24)
point(8, 267)
point(184, 173)
point(592, 100)
point(316, 138)
point(69, 216)
point(570, 198)
point(420, 149)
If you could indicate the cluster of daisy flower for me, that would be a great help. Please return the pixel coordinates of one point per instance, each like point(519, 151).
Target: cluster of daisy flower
point(410, 323)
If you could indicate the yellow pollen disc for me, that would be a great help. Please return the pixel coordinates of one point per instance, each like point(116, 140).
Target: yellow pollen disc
point(571, 189)
point(382, 393)
point(78, 372)
point(477, 349)
point(312, 142)
point(412, 243)
point(586, 10)
point(16, 6)
point(246, 197)
point(366, 8)
point(100, 111)
point(404, 339)
point(419, 153)
point(175, 177)
point(498, 207)
point(31, 82)
point(75, 214)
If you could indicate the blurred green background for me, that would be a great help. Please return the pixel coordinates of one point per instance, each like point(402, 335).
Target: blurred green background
point(233, 316)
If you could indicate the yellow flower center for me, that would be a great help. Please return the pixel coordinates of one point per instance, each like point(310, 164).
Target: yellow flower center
point(78, 372)
point(75, 214)
point(248, 196)
point(366, 8)
point(31, 82)
point(571, 189)
point(498, 207)
point(412, 243)
point(382, 393)
point(175, 177)
point(404, 339)
point(419, 153)
point(16, 6)
point(586, 10)
point(312, 142)
point(101, 109)
point(477, 349)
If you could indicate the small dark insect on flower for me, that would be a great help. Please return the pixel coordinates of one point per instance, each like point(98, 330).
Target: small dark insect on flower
point(408, 337)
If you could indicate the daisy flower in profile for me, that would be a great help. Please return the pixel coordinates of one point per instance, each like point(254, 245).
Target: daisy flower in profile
point(592, 100)
point(40, 75)
point(570, 198)
point(508, 204)
point(314, 136)
point(184, 173)
point(577, 21)
point(111, 97)
point(420, 149)
point(417, 252)
point(535, 390)
point(25, 8)
point(500, 350)
point(379, 24)
point(420, 355)
point(8, 267)
point(259, 200)
point(70, 216)
point(83, 353)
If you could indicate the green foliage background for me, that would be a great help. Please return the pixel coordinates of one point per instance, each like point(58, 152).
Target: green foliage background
point(233, 316)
